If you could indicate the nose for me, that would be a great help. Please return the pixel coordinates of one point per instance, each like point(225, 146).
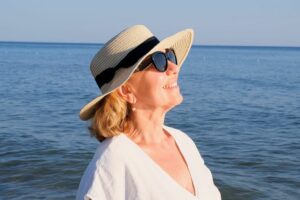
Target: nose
point(172, 68)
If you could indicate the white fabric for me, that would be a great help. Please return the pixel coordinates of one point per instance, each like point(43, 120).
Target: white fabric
point(121, 170)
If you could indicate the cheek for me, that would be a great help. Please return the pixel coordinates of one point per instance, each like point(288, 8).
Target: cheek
point(158, 83)
point(161, 79)
point(152, 88)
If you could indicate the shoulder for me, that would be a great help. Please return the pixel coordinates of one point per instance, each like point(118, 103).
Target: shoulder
point(104, 172)
point(109, 153)
point(108, 158)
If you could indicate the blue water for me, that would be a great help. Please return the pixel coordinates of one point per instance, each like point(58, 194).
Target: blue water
point(241, 106)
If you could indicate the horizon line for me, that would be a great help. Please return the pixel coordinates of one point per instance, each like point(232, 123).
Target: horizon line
point(195, 45)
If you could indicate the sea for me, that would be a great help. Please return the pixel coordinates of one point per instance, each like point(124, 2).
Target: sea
point(241, 107)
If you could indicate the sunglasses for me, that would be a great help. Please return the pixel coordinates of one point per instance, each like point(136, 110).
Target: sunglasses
point(159, 60)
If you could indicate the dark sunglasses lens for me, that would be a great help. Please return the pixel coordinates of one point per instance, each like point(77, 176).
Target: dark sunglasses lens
point(171, 56)
point(159, 61)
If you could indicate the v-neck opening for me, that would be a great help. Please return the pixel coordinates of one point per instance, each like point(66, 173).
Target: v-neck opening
point(162, 170)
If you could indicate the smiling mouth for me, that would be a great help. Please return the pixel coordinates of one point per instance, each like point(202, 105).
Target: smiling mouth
point(172, 85)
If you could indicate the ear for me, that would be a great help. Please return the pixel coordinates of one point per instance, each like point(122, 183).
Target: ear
point(126, 93)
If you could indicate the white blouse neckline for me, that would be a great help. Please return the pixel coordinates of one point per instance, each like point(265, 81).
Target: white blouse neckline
point(162, 171)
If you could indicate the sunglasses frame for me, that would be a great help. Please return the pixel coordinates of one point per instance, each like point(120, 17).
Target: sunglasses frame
point(150, 60)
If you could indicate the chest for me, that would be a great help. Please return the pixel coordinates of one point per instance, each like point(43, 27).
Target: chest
point(172, 162)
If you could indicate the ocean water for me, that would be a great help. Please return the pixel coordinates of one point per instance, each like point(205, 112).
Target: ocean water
point(241, 107)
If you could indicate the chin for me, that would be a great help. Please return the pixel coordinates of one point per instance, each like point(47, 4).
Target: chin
point(176, 101)
point(180, 100)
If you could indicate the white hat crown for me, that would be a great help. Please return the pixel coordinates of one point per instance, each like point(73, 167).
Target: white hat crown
point(118, 47)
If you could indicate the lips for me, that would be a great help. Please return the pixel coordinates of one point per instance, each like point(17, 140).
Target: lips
point(172, 85)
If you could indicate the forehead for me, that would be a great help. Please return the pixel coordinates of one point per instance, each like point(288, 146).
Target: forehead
point(163, 50)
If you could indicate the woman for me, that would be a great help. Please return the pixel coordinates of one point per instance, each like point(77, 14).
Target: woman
point(139, 157)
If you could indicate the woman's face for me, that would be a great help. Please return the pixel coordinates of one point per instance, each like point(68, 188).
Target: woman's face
point(153, 89)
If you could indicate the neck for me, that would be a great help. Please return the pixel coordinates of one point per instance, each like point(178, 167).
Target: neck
point(147, 127)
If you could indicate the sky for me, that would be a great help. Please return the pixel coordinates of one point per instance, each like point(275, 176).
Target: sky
point(215, 22)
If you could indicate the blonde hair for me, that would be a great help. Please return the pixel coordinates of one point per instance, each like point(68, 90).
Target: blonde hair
point(111, 117)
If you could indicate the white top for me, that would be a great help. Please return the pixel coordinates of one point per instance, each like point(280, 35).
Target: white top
point(121, 170)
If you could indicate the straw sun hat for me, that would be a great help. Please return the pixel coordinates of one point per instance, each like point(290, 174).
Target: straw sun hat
point(120, 56)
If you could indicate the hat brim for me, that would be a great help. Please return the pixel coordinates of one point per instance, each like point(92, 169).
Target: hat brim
point(180, 42)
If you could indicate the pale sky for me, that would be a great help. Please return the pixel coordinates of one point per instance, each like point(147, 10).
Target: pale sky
point(216, 22)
